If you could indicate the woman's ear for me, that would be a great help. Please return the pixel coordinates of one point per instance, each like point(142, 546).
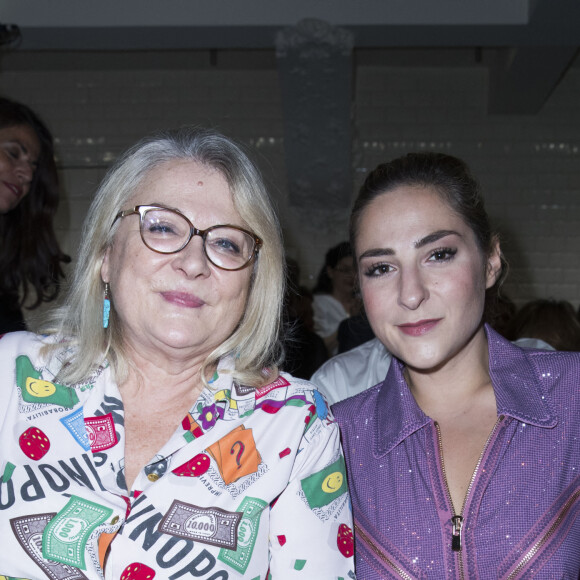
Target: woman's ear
point(494, 264)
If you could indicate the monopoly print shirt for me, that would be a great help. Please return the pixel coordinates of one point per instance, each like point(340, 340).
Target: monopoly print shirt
point(252, 485)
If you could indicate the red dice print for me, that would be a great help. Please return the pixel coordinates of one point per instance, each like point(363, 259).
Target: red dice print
point(137, 571)
point(34, 443)
point(195, 467)
point(345, 541)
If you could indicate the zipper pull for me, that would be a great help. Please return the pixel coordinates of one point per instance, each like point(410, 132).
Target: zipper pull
point(457, 523)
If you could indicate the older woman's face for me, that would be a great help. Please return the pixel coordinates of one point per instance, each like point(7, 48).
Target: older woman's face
point(176, 302)
point(422, 276)
point(19, 151)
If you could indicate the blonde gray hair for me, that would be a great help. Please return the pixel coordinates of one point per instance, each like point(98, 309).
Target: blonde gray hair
point(255, 341)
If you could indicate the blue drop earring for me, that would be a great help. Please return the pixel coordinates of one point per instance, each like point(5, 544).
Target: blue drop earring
point(106, 306)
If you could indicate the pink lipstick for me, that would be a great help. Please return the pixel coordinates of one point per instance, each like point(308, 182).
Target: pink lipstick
point(420, 327)
point(183, 299)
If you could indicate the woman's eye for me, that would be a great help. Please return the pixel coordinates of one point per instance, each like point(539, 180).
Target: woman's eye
point(225, 245)
point(442, 255)
point(161, 228)
point(375, 270)
point(20, 156)
point(12, 152)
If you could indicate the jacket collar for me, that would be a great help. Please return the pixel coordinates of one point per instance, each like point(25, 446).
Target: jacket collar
point(515, 380)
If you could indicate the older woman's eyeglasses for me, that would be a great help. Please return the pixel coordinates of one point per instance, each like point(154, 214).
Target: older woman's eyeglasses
point(168, 231)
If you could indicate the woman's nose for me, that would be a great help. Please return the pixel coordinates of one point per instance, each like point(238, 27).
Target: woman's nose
point(24, 171)
point(192, 260)
point(412, 288)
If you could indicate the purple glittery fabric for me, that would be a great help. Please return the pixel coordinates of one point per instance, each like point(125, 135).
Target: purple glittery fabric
point(522, 515)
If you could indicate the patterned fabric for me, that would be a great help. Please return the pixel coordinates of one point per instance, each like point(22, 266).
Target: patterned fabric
point(252, 485)
point(522, 513)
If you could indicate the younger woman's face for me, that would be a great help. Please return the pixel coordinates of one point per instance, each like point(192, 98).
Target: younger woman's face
point(19, 152)
point(422, 276)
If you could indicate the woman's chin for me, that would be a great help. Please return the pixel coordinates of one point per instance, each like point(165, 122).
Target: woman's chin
point(425, 362)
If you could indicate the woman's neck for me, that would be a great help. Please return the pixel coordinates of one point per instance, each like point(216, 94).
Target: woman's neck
point(454, 383)
point(177, 377)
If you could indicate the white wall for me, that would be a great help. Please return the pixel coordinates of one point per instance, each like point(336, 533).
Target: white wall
point(529, 166)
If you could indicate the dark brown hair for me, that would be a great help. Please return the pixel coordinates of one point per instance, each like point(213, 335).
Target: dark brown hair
point(30, 255)
point(332, 258)
point(454, 182)
point(552, 321)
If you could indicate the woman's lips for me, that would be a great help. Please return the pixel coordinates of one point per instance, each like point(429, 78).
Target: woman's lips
point(419, 328)
point(183, 299)
point(15, 189)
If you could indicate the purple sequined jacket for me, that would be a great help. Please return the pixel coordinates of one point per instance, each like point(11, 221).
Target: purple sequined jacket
point(521, 518)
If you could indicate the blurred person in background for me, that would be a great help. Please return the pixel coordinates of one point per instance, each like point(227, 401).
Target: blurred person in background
point(30, 256)
point(334, 296)
point(551, 321)
point(304, 350)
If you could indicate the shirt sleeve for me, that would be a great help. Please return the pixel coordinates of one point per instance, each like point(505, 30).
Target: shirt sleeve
point(311, 531)
point(330, 380)
point(328, 313)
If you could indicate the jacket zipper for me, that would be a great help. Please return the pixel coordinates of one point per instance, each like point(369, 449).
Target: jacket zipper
point(379, 554)
point(543, 539)
point(457, 519)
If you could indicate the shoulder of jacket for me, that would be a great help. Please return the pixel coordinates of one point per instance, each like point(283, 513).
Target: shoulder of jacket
point(353, 408)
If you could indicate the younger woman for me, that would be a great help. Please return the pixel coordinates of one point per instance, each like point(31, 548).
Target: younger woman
point(465, 461)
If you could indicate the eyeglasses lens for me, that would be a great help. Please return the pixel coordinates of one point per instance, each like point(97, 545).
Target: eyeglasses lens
point(164, 231)
point(228, 248)
point(168, 232)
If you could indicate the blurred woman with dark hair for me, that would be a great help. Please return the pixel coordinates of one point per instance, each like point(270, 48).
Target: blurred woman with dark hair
point(334, 299)
point(30, 257)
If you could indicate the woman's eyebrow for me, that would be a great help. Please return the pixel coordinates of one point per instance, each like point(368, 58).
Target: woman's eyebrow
point(377, 253)
point(19, 144)
point(429, 239)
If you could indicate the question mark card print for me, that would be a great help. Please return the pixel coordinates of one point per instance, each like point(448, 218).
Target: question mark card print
point(236, 454)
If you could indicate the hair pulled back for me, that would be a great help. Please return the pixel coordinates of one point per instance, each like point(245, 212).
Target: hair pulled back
point(453, 181)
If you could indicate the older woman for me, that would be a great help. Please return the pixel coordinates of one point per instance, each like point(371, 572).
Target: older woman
point(465, 461)
point(150, 433)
